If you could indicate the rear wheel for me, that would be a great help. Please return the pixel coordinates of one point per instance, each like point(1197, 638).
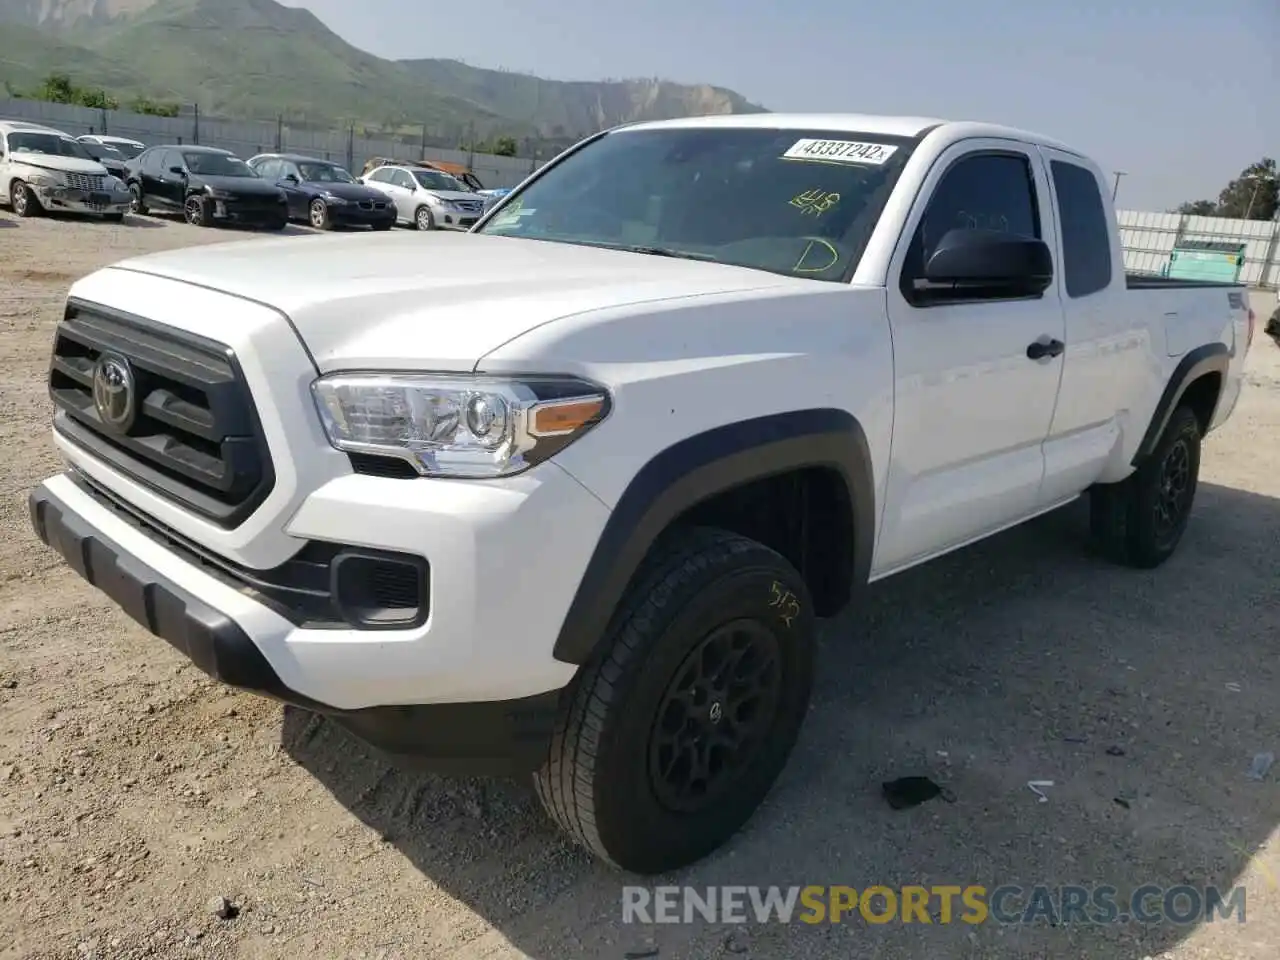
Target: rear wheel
point(24, 201)
point(669, 740)
point(1140, 521)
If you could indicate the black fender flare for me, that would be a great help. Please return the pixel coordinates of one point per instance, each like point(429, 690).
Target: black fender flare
point(696, 469)
point(1210, 358)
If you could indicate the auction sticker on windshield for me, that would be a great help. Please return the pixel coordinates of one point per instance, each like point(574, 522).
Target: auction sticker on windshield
point(839, 151)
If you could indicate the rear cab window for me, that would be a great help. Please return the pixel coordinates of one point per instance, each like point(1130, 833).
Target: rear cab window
point(792, 201)
point(1086, 236)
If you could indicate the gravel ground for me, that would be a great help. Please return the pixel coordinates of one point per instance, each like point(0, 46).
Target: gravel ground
point(134, 793)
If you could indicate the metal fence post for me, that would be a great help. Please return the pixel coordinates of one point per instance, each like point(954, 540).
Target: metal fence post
point(351, 146)
point(279, 133)
point(195, 124)
point(1266, 276)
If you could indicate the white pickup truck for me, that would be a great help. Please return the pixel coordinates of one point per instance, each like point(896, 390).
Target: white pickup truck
point(567, 494)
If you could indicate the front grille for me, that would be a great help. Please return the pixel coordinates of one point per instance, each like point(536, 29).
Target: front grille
point(467, 221)
point(86, 181)
point(471, 206)
point(372, 205)
point(195, 436)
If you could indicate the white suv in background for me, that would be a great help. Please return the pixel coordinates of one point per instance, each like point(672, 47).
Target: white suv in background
point(427, 199)
point(42, 169)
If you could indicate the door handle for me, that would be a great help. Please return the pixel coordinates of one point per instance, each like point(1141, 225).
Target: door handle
point(1045, 348)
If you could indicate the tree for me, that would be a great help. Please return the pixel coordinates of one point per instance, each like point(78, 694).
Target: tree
point(505, 147)
point(1199, 208)
point(1254, 195)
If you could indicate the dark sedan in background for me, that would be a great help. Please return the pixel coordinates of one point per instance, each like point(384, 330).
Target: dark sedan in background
point(323, 194)
point(207, 186)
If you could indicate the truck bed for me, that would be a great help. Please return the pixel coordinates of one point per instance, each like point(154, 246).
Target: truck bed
point(1153, 281)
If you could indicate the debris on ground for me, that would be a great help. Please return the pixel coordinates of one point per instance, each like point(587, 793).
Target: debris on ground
point(1115, 751)
point(906, 792)
point(1037, 787)
point(1262, 763)
point(222, 908)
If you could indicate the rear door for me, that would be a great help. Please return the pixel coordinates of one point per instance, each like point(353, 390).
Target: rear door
point(973, 399)
point(1104, 373)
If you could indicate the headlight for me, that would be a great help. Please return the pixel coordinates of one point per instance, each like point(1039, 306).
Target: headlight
point(457, 425)
point(221, 194)
point(44, 178)
point(116, 184)
point(334, 199)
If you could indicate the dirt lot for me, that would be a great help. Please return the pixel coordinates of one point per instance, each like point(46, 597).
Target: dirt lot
point(132, 790)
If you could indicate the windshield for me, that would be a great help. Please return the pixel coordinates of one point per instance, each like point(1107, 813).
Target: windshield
point(435, 180)
point(50, 144)
point(324, 173)
point(796, 202)
point(217, 165)
point(126, 150)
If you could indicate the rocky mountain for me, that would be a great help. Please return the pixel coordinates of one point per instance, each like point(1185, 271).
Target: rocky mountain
point(259, 59)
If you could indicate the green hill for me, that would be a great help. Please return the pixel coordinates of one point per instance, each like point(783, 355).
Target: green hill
point(256, 59)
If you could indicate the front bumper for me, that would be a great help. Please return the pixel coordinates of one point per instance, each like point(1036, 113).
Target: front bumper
point(354, 215)
point(248, 213)
point(474, 689)
point(70, 200)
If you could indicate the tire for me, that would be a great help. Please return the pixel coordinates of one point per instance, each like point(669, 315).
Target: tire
point(195, 211)
point(318, 215)
point(1140, 521)
point(113, 217)
point(601, 783)
point(387, 225)
point(277, 225)
point(136, 204)
point(23, 200)
point(423, 220)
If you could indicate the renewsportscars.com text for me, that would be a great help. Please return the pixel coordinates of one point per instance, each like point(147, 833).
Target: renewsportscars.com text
point(972, 904)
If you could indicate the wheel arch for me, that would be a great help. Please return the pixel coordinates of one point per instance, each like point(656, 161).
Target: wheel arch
point(1198, 378)
point(803, 477)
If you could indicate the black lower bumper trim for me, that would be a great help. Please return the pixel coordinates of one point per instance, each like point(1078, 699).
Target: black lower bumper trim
point(499, 737)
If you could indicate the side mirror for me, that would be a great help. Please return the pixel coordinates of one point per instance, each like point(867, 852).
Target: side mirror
point(178, 170)
point(291, 178)
point(1008, 262)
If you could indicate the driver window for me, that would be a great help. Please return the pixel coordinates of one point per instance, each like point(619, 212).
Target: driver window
point(402, 179)
point(987, 191)
point(270, 169)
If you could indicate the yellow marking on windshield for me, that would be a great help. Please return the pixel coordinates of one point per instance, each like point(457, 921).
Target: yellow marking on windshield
point(815, 202)
point(821, 244)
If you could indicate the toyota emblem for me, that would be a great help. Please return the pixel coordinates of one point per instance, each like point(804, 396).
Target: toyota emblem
point(114, 393)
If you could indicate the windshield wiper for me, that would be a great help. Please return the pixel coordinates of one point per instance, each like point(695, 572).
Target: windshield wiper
point(668, 252)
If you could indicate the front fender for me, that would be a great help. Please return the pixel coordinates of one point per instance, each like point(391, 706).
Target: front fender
point(696, 469)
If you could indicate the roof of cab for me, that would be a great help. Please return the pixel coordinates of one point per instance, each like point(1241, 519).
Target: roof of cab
point(861, 123)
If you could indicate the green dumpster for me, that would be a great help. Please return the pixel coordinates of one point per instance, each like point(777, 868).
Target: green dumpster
point(1206, 260)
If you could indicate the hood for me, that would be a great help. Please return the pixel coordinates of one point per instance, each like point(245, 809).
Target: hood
point(347, 191)
point(251, 186)
point(439, 302)
point(60, 164)
point(452, 195)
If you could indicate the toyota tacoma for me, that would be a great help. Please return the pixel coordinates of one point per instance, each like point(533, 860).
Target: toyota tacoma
point(568, 494)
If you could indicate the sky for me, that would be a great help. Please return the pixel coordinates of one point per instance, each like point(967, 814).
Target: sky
point(1181, 95)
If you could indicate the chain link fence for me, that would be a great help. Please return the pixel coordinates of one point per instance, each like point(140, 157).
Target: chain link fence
point(246, 138)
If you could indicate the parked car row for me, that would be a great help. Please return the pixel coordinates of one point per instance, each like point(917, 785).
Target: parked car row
point(47, 170)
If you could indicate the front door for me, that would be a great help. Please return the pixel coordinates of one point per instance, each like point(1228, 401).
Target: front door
point(972, 404)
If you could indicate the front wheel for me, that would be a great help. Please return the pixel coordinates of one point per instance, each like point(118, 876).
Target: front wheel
point(24, 201)
point(195, 211)
point(136, 205)
point(1140, 521)
point(423, 220)
point(318, 215)
point(671, 738)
